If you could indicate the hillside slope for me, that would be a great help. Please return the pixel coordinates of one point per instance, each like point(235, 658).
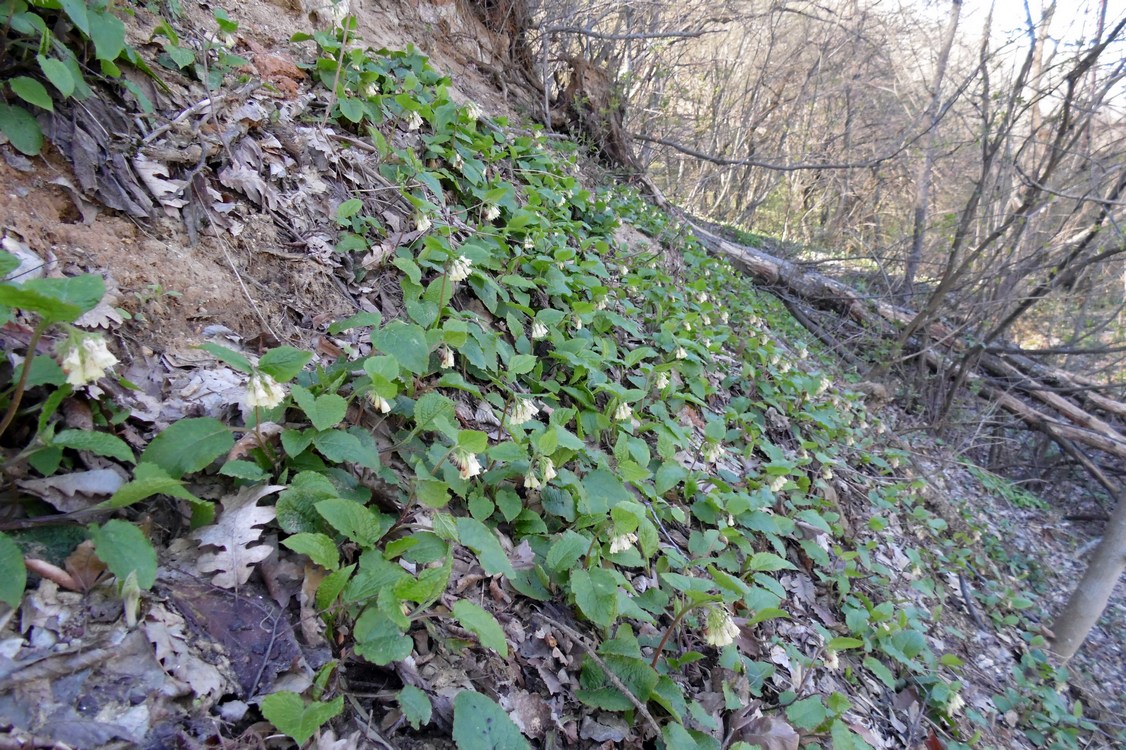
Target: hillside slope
point(423, 433)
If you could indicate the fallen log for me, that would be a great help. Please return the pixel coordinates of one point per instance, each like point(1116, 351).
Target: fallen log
point(1073, 422)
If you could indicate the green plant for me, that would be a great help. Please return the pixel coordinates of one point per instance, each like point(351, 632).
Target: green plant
point(54, 43)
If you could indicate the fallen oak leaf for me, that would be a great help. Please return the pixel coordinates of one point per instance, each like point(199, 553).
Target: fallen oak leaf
point(234, 535)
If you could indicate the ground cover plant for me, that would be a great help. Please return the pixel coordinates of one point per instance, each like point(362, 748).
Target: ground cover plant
point(594, 473)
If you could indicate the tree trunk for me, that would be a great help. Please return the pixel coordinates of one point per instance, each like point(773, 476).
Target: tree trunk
point(923, 185)
point(1089, 599)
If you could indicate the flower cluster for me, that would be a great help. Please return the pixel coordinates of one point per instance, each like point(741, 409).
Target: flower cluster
point(262, 391)
point(523, 410)
point(719, 627)
point(447, 357)
point(491, 212)
point(86, 359)
point(623, 412)
point(622, 542)
point(662, 381)
point(467, 464)
point(547, 473)
point(414, 121)
point(712, 452)
point(539, 330)
point(381, 404)
point(459, 268)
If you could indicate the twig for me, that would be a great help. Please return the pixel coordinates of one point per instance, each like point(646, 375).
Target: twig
point(199, 106)
point(614, 680)
point(968, 597)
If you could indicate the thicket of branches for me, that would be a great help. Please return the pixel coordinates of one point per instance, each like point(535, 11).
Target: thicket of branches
point(970, 169)
point(836, 123)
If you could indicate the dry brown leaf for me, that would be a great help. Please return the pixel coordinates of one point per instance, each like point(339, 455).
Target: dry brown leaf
point(84, 566)
point(234, 536)
point(167, 632)
point(75, 491)
point(770, 733)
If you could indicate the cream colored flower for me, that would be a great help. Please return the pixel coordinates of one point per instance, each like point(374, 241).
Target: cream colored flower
point(414, 121)
point(459, 268)
point(458, 161)
point(831, 660)
point(623, 412)
point(539, 330)
point(472, 111)
point(719, 627)
point(680, 353)
point(263, 391)
point(712, 452)
point(578, 323)
point(723, 316)
point(530, 480)
point(688, 326)
point(662, 381)
point(87, 360)
point(956, 704)
point(447, 356)
point(777, 483)
point(547, 466)
point(381, 404)
point(826, 472)
point(491, 212)
point(467, 464)
point(622, 542)
point(523, 410)
point(421, 222)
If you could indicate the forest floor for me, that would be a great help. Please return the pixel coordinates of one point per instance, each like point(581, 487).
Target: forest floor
point(707, 459)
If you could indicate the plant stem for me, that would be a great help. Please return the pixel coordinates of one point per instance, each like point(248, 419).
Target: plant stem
point(669, 630)
point(17, 394)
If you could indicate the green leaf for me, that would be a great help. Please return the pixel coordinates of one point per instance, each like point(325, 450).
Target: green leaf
point(243, 470)
point(100, 443)
point(32, 92)
point(596, 593)
point(284, 362)
point(521, 363)
point(807, 714)
point(356, 522)
point(415, 705)
point(433, 493)
point(293, 717)
point(433, 411)
point(83, 291)
point(483, 541)
point(767, 561)
point(406, 343)
point(331, 587)
point(229, 357)
point(57, 73)
point(317, 547)
point(480, 724)
point(76, 10)
point(604, 490)
point(323, 411)
point(479, 622)
point(567, 550)
point(125, 549)
point(379, 640)
point(845, 739)
point(473, 441)
point(21, 129)
point(189, 445)
point(108, 33)
point(842, 643)
point(148, 480)
point(13, 572)
point(359, 320)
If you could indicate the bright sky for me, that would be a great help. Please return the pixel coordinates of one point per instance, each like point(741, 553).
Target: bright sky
point(1073, 18)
